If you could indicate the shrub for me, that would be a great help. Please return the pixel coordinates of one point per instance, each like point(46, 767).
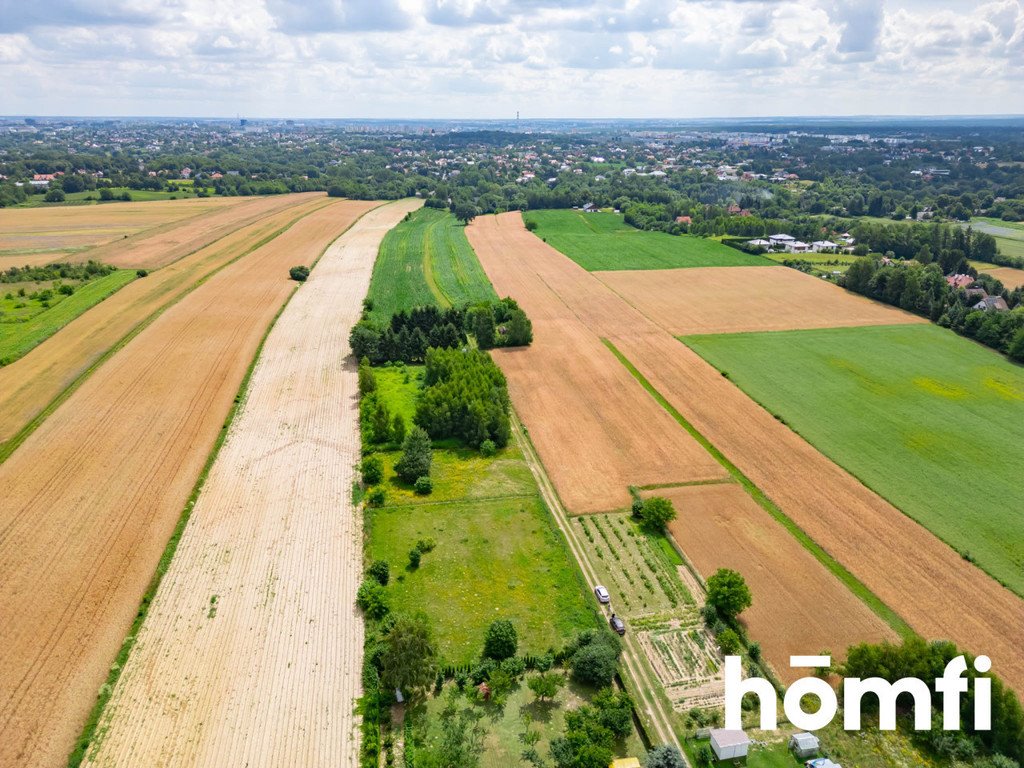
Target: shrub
point(728, 641)
point(424, 486)
point(488, 448)
point(414, 558)
point(372, 470)
point(637, 508)
point(377, 497)
point(501, 641)
point(596, 658)
point(372, 599)
point(546, 685)
point(398, 430)
point(367, 379)
point(141, 272)
point(380, 571)
point(299, 274)
point(416, 456)
point(665, 756)
point(426, 545)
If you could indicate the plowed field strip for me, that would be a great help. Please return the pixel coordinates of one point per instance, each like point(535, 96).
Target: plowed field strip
point(93, 495)
point(250, 654)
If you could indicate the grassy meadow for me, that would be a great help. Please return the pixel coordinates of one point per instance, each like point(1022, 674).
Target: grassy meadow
point(931, 421)
point(603, 241)
point(426, 260)
point(27, 322)
point(497, 555)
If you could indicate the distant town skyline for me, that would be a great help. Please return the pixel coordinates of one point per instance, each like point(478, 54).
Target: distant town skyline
point(435, 59)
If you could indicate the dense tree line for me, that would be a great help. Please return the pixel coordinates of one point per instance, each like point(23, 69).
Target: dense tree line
point(922, 289)
point(926, 661)
point(57, 271)
point(464, 396)
point(408, 335)
point(946, 245)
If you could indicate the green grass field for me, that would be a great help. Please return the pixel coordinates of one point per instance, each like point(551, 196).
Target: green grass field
point(494, 559)
point(92, 196)
point(24, 328)
point(426, 260)
point(603, 241)
point(1009, 235)
point(498, 553)
point(931, 421)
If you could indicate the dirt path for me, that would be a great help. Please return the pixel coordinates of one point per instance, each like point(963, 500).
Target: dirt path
point(92, 496)
point(656, 713)
point(31, 383)
point(251, 652)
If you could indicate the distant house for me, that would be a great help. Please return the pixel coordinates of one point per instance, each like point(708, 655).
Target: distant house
point(824, 246)
point(781, 240)
point(804, 744)
point(797, 246)
point(734, 209)
point(976, 293)
point(684, 220)
point(759, 243)
point(728, 745)
point(992, 304)
point(960, 281)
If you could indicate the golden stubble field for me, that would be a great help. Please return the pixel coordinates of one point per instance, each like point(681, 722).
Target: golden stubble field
point(92, 496)
point(938, 593)
point(251, 652)
point(31, 383)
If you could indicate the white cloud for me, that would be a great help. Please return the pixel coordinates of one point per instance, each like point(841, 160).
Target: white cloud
point(481, 58)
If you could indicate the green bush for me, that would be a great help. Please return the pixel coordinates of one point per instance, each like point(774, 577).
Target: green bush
point(501, 640)
point(380, 571)
point(372, 470)
point(488, 448)
point(299, 274)
point(414, 558)
point(372, 599)
point(424, 485)
point(377, 497)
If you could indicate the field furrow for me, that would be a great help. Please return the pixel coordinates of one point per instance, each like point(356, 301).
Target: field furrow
point(81, 531)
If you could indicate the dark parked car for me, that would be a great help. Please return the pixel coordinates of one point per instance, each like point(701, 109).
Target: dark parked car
point(617, 624)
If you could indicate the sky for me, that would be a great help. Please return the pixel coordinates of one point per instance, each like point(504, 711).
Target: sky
point(467, 59)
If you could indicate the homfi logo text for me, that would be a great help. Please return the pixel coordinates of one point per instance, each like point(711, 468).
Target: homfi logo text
point(951, 686)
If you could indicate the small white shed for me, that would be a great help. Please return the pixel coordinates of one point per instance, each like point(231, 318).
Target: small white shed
point(804, 744)
point(728, 745)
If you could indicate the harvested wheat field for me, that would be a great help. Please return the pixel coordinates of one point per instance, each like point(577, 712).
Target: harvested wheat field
point(596, 429)
point(81, 532)
point(30, 384)
point(927, 583)
point(721, 526)
point(157, 248)
point(1011, 278)
point(78, 226)
point(735, 299)
point(251, 652)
